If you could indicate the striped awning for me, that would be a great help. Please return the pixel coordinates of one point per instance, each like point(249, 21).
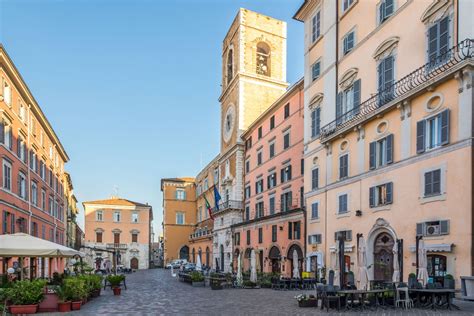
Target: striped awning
point(435, 247)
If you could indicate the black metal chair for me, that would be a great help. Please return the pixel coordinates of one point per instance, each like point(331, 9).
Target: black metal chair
point(328, 296)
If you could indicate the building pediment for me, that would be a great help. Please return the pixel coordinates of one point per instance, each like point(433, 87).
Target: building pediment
point(386, 47)
point(348, 77)
point(436, 10)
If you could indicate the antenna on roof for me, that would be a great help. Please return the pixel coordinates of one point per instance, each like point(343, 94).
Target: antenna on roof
point(116, 192)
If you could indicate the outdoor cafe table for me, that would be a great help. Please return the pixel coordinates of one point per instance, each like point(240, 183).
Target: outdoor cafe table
point(433, 293)
point(363, 294)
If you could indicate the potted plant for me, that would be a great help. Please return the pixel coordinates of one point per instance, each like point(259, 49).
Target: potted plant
point(96, 281)
point(306, 301)
point(197, 279)
point(64, 304)
point(216, 281)
point(76, 289)
point(115, 281)
point(249, 284)
point(449, 281)
point(25, 296)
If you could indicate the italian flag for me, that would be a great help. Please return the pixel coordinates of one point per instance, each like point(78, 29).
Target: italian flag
point(209, 208)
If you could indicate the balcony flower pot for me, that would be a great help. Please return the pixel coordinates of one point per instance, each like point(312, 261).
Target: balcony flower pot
point(75, 306)
point(64, 307)
point(23, 309)
point(117, 290)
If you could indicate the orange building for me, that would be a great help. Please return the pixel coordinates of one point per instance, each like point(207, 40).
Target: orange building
point(119, 225)
point(179, 217)
point(32, 187)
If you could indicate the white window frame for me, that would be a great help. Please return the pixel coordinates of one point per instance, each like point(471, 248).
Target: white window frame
point(117, 216)
point(317, 62)
point(135, 217)
point(180, 194)
point(7, 180)
point(354, 41)
point(288, 132)
point(34, 193)
point(22, 182)
point(350, 3)
point(316, 26)
point(314, 203)
point(180, 218)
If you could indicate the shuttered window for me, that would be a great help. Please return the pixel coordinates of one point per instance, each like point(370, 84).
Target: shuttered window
point(315, 70)
point(432, 132)
point(316, 26)
point(286, 140)
point(381, 195)
point(432, 228)
point(274, 233)
point(315, 178)
point(343, 166)
point(386, 78)
point(386, 9)
point(271, 150)
point(315, 122)
point(438, 42)
point(348, 102)
point(247, 213)
point(272, 122)
point(348, 42)
point(314, 239)
point(285, 200)
point(248, 237)
point(314, 210)
point(271, 203)
point(342, 204)
point(285, 174)
point(381, 152)
point(260, 235)
point(432, 183)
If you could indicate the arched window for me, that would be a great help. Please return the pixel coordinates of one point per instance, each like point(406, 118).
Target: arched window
point(230, 66)
point(263, 59)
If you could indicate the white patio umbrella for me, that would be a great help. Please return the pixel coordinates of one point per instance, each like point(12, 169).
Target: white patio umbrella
point(336, 267)
point(362, 262)
point(296, 270)
point(422, 263)
point(396, 266)
point(239, 271)
point(198, 263)
point(253, 267)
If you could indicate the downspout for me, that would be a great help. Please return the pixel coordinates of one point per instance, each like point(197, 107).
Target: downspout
point(27, 185)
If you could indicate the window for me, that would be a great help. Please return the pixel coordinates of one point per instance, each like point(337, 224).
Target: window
point(272, 150)
point(315, 179)
point(272, 180)
point(386, 9)
point(316, 27)
point(134, 217)
point(286, 140)
point(7, 175)
point(42, 170)
point(248, 191)
point(22, 185)
point(286, 174)
point(117, 216)
point(259, 158)
point(98, 237)
point(117, 238)
point(348, 42)
point(381, 195)
point(259, 211)
point(272, 122)
point(287, 110)
point(34, 193)
point(348, 102)
point(344, 234)
point(6, 134)
point(260, 235)
point(50, 176)
point(342, 204)
point(315, 122)
point(7, 93)
point(432, 132)
point(286, 201)
point(263, 59)
point(180, 218)
point(99, 216)
point(346, 4)
point(248, 143)
point(43, 199)
point(248, 237)
point(21, 149)
point(259, 186)
point(51, 205)
point(230, 65)
point(247, 213)
point(343, 166)
point(181, 194)
point(294, 230)
point(386, 78)
point(33, 161)
point(274, 233)
point(260, 132)
point(302, 166)
point(314, 210)
point(205, 186)
point(381, 152)
point(134, 237)
point(216, 176)
point(432, 228)
point(271, 202)
point(314, 239)
point(237, 239)
point(438, 42)
point(432, 183)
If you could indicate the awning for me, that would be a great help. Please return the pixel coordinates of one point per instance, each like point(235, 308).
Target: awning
point(347, 248)
point(435, 247)
point(24, 245)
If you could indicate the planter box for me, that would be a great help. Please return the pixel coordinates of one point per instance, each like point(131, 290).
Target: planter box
point(23, 309)
point(198, 284)
point(312, 302)
point(49, 304)
point(467, 288)
point(76, 305)
point(64, 307)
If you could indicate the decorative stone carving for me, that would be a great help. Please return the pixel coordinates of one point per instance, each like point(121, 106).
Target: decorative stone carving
point(386, 48)
point(436, 10)
point(316, 101)
point(348, 78)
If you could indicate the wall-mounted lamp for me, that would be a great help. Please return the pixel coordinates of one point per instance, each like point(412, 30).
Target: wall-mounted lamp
point(359, 213)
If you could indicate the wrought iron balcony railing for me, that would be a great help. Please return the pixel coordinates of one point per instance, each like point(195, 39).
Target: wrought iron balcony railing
point(116, 246)
point(198, 234)
point(434, 68)
point(227, 205)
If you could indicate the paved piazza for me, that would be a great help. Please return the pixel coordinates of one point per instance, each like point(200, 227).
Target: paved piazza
point(155, 292)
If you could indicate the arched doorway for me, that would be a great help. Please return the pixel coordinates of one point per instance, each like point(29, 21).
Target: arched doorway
point(222, 258)
point(134, 263)
point(184, 253)
point(275, 259)
point(208, 253)
point(247, 255)
point(289, 255)
point(383, 257)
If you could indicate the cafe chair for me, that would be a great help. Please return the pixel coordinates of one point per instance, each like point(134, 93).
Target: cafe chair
point(404, 302)
point(327, 298)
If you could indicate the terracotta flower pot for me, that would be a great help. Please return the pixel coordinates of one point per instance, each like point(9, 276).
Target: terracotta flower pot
point(76, 305)
point(23, 309)
point(117, 290)
point(64, 307)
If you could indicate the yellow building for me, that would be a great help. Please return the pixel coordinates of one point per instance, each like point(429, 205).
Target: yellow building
point(388, 135)
point(179, 217)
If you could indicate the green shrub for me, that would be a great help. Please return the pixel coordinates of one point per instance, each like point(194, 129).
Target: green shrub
point(449, 277)
point(75, 289)
point(248, 283)
point(197, 276)
point(26, 292)
point(115, 280)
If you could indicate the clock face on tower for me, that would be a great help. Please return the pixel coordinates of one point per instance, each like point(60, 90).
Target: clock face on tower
point(229, 121)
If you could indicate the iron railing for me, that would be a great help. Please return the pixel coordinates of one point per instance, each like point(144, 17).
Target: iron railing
point(202, 233)
point(429, 71)
point(236, 205)
point(116, 246)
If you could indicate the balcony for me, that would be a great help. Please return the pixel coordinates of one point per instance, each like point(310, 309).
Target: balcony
point(229, 205)
point(116, 246)
point(399, 90)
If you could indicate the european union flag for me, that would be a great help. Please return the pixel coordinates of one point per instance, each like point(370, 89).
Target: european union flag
point(217, 197)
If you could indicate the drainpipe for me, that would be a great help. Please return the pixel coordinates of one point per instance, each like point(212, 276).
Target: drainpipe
point(27, 185)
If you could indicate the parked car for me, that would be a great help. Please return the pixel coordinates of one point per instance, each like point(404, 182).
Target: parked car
point(175, 264)
point(189, 267)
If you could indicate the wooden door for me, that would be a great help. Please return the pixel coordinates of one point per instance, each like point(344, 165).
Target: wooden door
point(134, 263)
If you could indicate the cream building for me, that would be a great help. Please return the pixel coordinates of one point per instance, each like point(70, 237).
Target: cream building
point(388, 133)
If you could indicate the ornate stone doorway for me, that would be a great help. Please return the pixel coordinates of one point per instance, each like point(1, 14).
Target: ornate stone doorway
point(134, 263)
point(383, 257)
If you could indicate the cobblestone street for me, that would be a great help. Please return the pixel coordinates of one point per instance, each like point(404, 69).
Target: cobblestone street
point(154, 292)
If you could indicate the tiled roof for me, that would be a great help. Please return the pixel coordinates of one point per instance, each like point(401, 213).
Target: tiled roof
point(116, 201)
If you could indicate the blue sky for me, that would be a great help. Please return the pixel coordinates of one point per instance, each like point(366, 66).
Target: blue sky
point(131, 86)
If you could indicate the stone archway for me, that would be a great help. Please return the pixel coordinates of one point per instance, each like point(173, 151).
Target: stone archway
point(290, 258)
point(380, 229)
point(184, 253)
point(275, 259)
point(383, 257)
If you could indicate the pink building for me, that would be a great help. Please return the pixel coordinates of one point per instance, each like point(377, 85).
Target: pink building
point(273, 220)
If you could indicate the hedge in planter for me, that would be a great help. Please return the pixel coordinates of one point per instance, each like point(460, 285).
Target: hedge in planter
point(197, 278)
point(115, 281)
point(25, 296)
point(77, 291)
